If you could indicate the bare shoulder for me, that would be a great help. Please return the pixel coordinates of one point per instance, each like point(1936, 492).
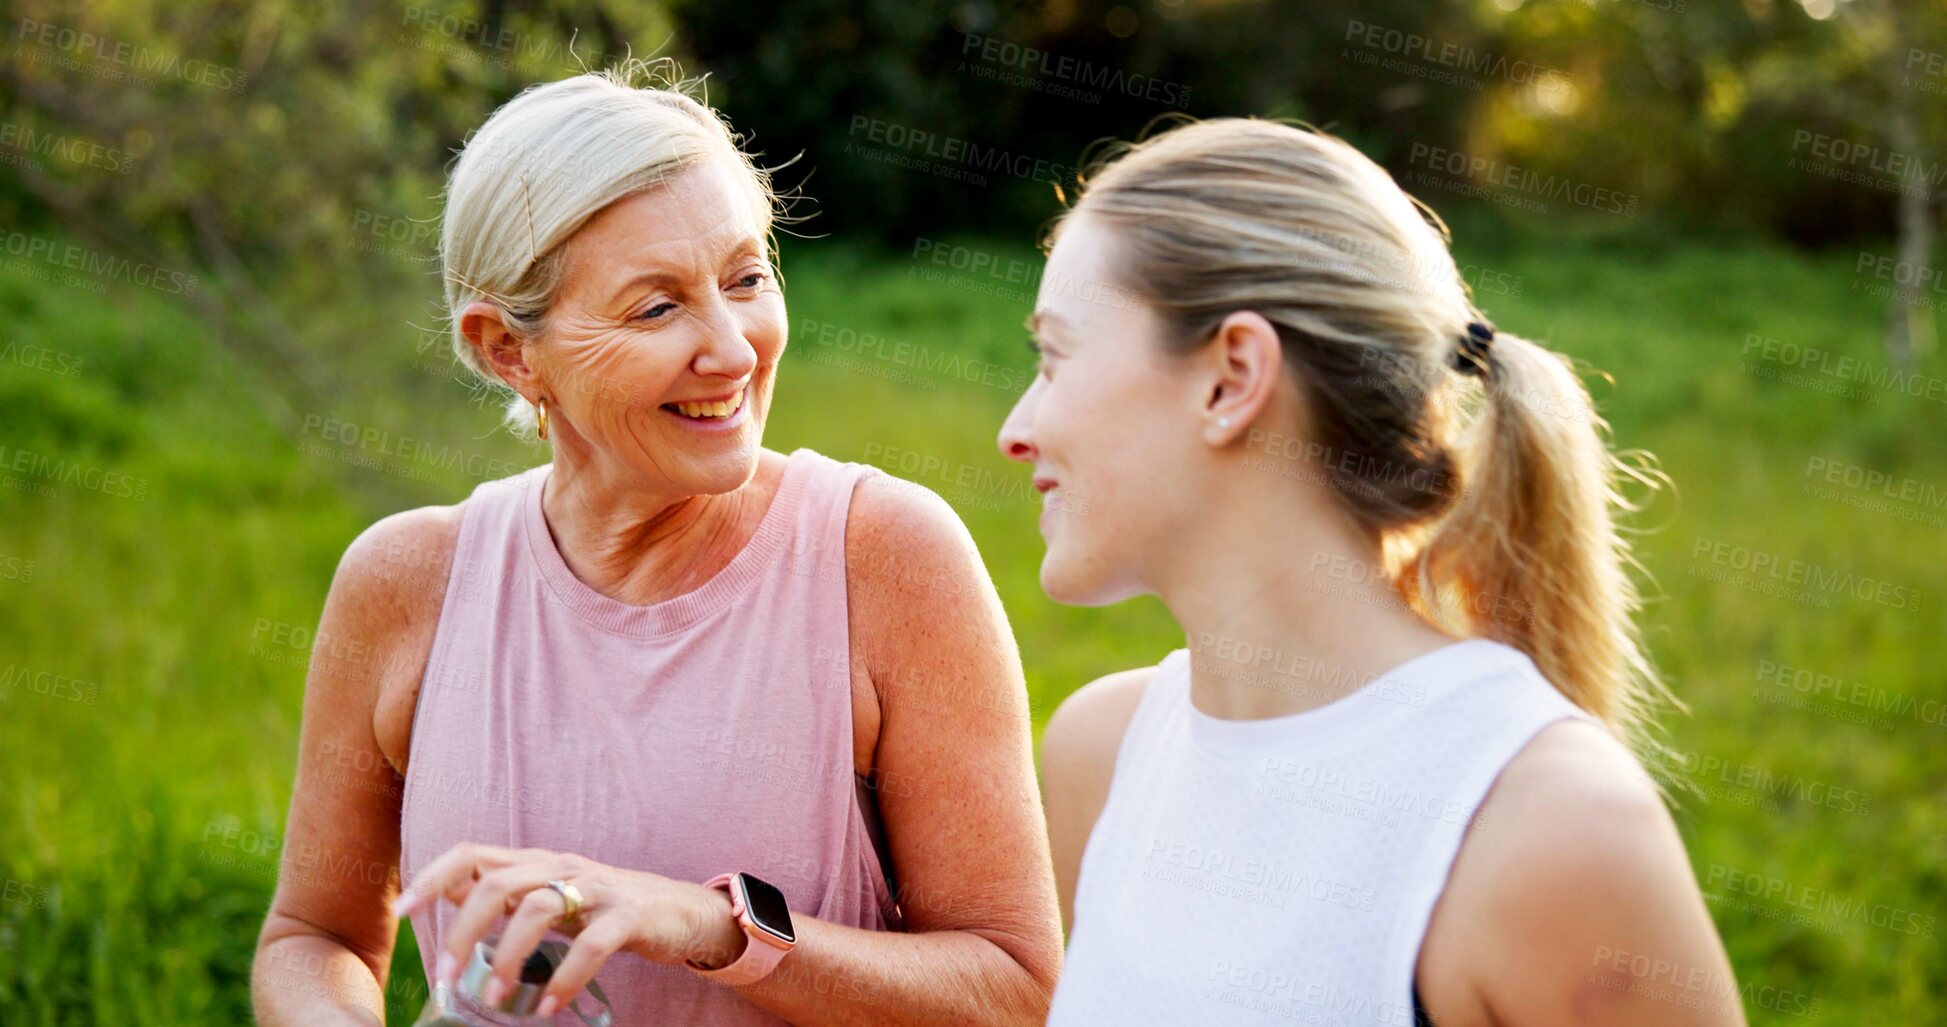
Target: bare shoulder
point(932, 651)
point(1078, 753)
point(917, 588)
point(393, 567)
point(1085, 732)
point(1572, 778)
point(383, 611)
point(1575, 869)
point(896, 525)
point(1572, 807)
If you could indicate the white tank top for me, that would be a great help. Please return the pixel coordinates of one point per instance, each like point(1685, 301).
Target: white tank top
point(1283, 870)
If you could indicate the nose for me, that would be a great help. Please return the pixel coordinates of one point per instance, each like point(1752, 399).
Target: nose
point(726, 350)
point(1017, 434)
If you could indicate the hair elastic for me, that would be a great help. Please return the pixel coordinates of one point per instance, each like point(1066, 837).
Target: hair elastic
point(1471, 352)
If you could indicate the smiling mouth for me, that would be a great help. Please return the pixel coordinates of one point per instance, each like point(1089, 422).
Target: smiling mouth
point(711, 411)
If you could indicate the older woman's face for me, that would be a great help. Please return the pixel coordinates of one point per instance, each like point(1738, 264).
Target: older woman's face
point(662, 347)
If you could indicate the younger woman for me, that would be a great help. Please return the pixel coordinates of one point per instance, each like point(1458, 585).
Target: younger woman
point(1389, 777)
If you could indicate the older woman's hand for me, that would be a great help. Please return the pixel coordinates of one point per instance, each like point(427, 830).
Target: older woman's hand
point(659, 919)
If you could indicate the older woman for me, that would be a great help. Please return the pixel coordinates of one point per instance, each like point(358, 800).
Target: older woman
point(660, 694)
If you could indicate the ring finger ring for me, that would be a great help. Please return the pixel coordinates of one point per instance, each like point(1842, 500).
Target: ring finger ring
point(570, 901)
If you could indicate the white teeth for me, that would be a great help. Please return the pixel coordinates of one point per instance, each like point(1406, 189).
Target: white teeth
point(711, 411)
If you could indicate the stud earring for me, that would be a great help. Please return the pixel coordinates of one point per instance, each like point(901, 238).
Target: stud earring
point(1223, 422)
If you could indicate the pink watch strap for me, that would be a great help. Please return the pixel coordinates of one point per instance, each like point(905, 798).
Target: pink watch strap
point(761, 953)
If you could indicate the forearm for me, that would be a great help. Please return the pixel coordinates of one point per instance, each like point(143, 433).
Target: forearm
point(844, 975)
point(311, 980)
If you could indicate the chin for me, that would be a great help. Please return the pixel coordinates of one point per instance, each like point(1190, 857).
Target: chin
point(724, 471)
point(1073, 582)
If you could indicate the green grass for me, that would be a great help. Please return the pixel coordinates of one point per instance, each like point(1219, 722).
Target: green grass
point(138, 822)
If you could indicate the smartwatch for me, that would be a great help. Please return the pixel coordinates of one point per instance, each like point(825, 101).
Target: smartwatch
point(760, 910)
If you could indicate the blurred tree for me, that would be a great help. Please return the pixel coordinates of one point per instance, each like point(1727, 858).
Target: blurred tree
point(1819, 120)
point(273, 139)
point(1902, 63)
point(1863, 83)
point(839, 83)
point(307, 143)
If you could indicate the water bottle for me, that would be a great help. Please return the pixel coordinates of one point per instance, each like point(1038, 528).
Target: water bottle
point(463, 1003)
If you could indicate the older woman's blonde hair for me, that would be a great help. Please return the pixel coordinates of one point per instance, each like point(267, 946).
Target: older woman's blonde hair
point(1483, 472)
point(544, 164)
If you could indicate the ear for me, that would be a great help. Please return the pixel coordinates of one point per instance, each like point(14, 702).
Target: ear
point(481, 325)
point(1246, 363)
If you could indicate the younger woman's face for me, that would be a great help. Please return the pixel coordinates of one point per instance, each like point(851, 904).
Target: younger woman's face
point(1113, 435)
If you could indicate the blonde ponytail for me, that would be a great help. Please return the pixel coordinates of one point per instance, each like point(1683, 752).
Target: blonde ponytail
point(1530, 555)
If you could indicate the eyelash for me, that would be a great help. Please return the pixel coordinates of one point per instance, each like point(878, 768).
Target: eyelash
point(1041, 358)
point(651, 315)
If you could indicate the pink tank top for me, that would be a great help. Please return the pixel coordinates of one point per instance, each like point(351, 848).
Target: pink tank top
point(708, 733)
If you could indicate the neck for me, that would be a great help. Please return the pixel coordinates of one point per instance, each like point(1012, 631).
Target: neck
point(1284, 603)
point(631, 541)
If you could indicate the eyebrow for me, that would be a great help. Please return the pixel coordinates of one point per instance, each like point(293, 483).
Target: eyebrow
point(646, 278)
point(1037, 319)
point(750, 246)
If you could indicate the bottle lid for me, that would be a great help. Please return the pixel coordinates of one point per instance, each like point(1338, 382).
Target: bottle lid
point(525, 996)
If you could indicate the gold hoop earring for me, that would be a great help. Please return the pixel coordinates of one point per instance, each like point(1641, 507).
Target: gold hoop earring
point(541, 417)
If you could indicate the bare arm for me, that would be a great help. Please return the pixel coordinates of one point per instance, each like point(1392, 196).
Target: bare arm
point(1572, 901)
point(326, 945)
point(956, 775)
point(1078, 750)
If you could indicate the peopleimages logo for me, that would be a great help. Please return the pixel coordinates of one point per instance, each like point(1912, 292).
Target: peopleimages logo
point(1523, 181)
point(1876, 482)
point(1413, 46)
point(106, 266)
point(906, 139)
point(370, 446)
point(139, 60)
point(1075, 71)
point(1839, 368)
point(1867, 157)
point(1818, 901)
point(42, 469)
point(511, 42)
point(932, 360)
point(65, 149)
point(1818, 686)
point(1805, 576)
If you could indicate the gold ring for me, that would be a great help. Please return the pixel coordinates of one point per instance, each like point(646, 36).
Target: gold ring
point(570, 901)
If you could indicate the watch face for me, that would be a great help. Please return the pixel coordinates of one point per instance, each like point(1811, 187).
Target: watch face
point(767, 908)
